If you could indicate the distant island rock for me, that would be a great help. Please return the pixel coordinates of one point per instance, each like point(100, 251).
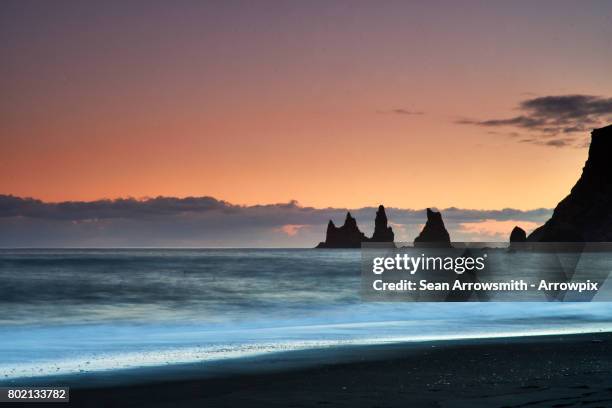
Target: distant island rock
point(434, 232)
point(585, 215)
point(518, 235)
point(349, 235)
point(382, 232)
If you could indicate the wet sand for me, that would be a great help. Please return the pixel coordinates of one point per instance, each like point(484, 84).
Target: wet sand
point(545, 371)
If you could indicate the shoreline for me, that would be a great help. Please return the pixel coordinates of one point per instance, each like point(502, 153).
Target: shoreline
point(303, 356)
point(503, 371)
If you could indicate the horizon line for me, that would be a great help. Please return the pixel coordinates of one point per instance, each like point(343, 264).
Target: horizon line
point(290, 203)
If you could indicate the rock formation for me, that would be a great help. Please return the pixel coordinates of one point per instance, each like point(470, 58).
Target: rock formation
point(382, 232)
point(346, 236)
point(585, 215)
point(518, 235)
point(434, 233)
point(349, 235)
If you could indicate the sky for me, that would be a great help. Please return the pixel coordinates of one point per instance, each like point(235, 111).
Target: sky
point(334, 104)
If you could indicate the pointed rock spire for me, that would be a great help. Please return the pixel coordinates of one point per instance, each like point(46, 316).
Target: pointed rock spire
point(382, 232)
point(330, 225)
point(350, 221)
point(349, 235)
point(346, 236)
point(434, 233)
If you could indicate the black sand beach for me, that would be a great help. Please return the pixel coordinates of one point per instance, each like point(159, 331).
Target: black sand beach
point(544, 371)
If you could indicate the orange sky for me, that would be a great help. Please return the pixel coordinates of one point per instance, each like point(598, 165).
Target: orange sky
point(292, 102)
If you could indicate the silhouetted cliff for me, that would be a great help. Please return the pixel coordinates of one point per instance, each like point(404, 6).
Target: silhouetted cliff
point(349, 235)
point(434, 233)
point(585, 215)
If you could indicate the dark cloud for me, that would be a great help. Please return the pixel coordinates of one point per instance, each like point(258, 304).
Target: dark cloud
point(554, 142)
point(551, 116)
point(11, 206)
point(519, 121)
point(208, 222)
point(400, 111)
point(586, 108)
point(559, 142)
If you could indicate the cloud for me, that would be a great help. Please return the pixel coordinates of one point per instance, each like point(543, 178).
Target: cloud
point(209, 222)
point(104, 209)
point(495, 229)
point(291, 229)
point(401, 111)
point(548, 117)
point(559, 142)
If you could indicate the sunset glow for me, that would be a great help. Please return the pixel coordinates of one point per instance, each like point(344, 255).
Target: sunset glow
point(345, 105)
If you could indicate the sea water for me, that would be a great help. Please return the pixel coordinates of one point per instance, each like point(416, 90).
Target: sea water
point(86, 311)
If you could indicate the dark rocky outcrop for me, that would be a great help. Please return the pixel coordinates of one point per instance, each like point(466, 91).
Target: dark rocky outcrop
point(518, 235)
point(585, 215)
point(346, 236)
point(349, 235)
point(382, 232)
point(434, 233)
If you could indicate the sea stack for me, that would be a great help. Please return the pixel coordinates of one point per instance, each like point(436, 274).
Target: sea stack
point(518, 235)
point(346, 236)
point(434, 233)
point(349, 235)
point(382, 232)
point(585, 215)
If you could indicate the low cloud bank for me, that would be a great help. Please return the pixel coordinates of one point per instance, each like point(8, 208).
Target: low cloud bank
point(208, 222)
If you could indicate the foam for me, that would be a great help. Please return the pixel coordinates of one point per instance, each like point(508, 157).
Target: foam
point(105, 362)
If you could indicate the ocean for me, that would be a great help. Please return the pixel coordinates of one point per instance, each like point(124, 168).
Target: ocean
point(91, 310)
